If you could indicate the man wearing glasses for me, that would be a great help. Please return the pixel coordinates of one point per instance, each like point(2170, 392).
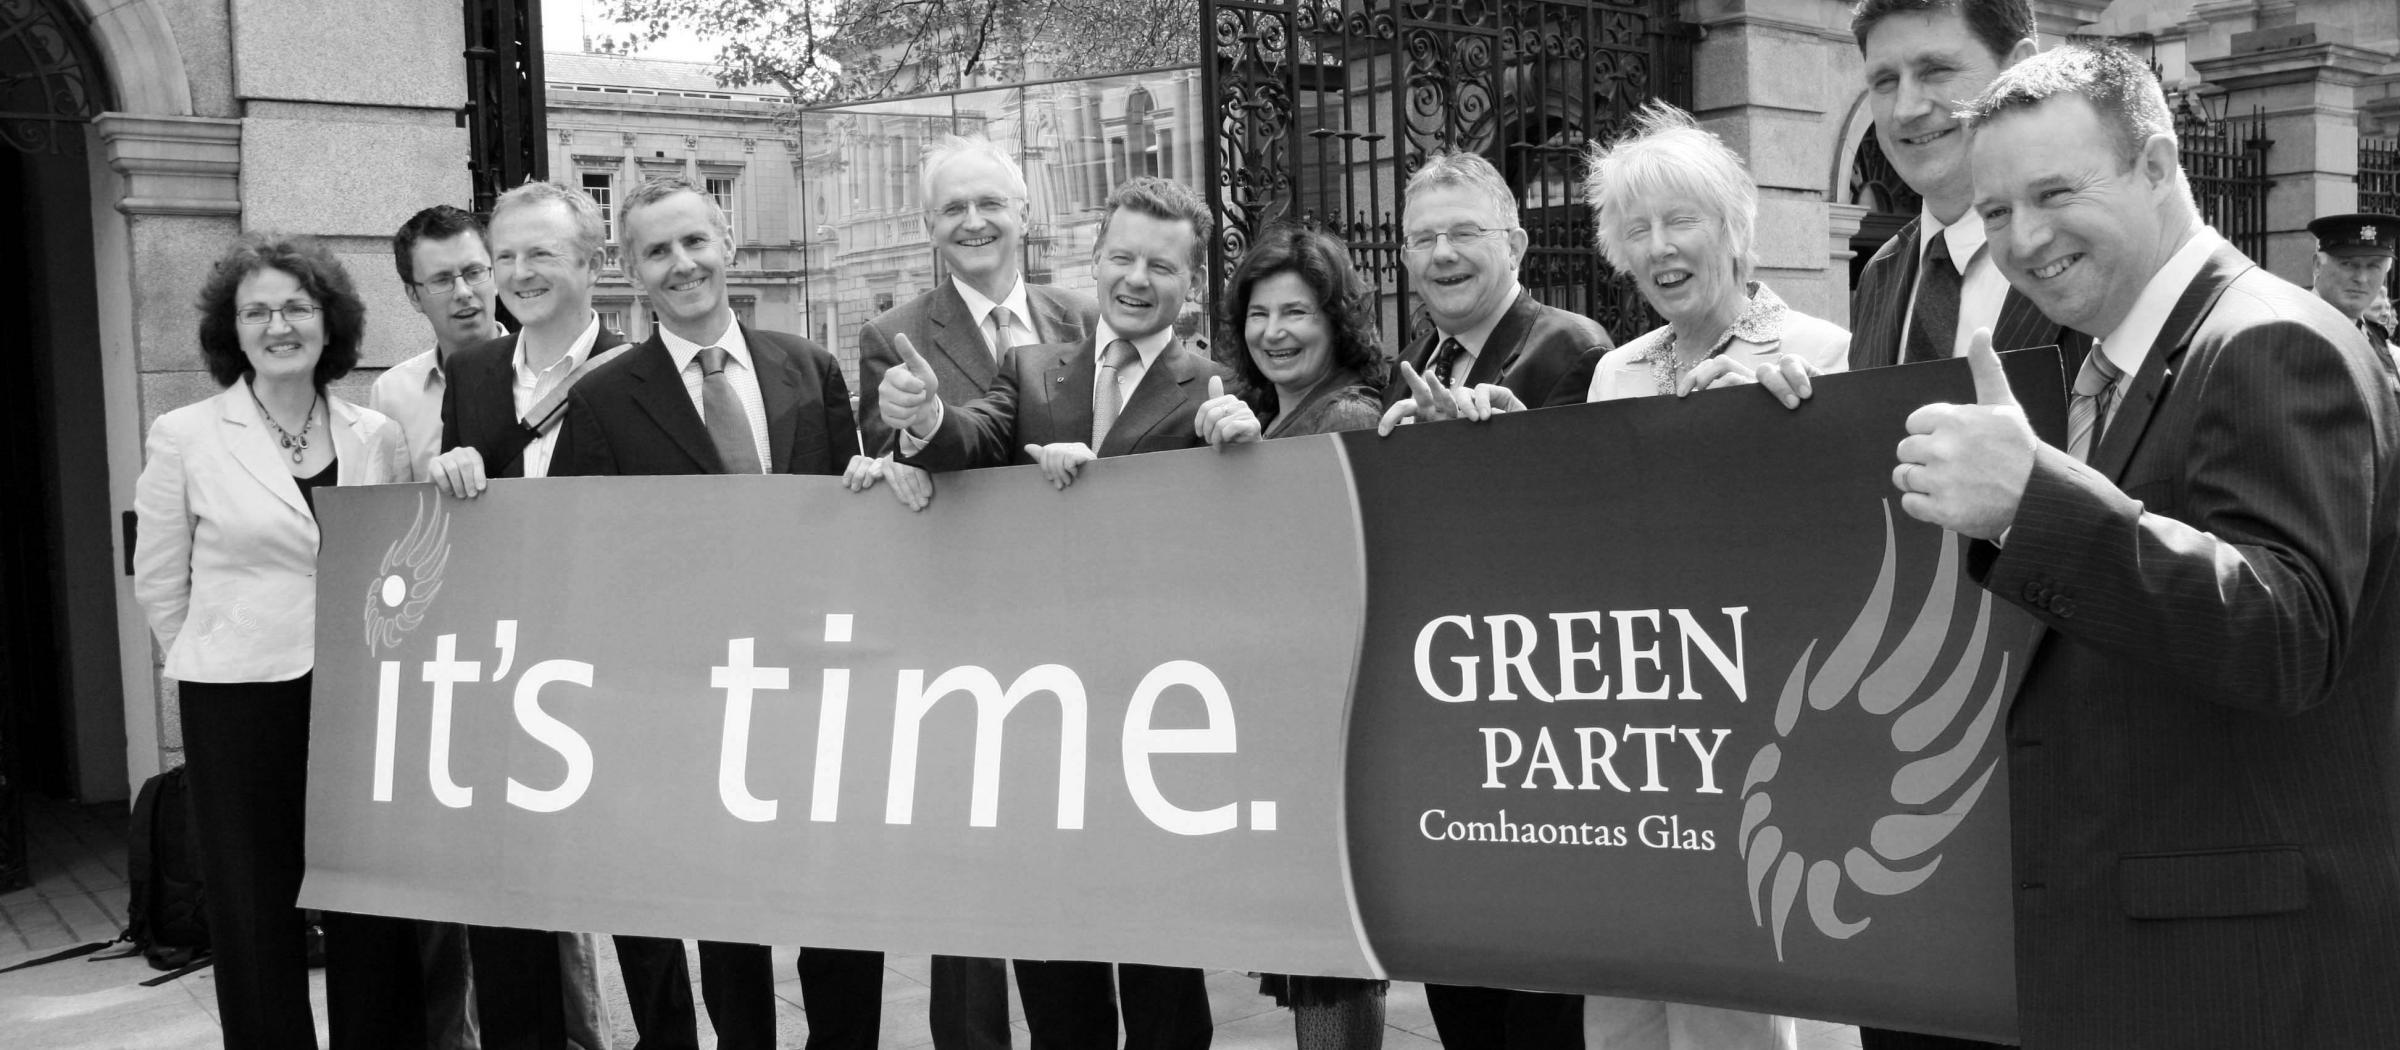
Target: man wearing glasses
point(1461, 243)
point(446, 268)
point(975, 211)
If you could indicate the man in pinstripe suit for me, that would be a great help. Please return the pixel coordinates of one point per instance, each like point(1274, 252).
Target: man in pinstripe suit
point(2204, 757)
point(1932, 285)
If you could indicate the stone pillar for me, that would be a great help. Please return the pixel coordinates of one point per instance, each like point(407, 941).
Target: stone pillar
point(1772, 78)
point(165, 201)
point(1841, 224)
point(2309, 94)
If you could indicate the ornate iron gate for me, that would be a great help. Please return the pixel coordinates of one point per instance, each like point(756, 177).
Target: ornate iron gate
point(2225, 160)
point(2379, 187)
point(505, 106)
point(1325, 107)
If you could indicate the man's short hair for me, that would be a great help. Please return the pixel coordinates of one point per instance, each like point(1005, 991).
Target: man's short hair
point(1161, 199)
point(659, 188)
point(2117, 83)
point(590, 232)
point(1998, 24)
point(956, 147)
point(1668, 154)
point(1446, 168)
point(438, 223)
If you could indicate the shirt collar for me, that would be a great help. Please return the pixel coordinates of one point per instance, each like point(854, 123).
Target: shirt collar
point(573, 359)
point(1149, 346)
point(1761, 322)
point(684, 350)
point(2129, 344)
point(1474, 338)
point(1965, 237)
point(980, 306)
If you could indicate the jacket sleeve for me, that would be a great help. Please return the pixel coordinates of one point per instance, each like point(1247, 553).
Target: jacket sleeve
point(162, 549)
point(876, 356)
point(979, 433)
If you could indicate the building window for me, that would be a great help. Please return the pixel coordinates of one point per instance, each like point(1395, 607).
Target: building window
point(612, 320)
point(1143, 152)
point(883, 301)
point(601, 186)
point(720, 189)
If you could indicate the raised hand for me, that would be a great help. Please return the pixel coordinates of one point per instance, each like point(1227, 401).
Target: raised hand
point(1224, 419)
point(1964, 467)
point(909, 398)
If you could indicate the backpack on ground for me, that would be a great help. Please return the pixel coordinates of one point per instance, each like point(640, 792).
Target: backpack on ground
point(168, 917)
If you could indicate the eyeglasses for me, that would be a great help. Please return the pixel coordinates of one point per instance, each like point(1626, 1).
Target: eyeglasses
point(292, 313)
point(1460, 237)
point(475, 276)
point(984, 206)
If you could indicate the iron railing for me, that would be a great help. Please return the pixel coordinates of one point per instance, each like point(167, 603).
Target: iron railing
point(2225, 161)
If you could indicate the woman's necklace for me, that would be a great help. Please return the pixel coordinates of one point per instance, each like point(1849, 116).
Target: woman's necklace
point(296, 443)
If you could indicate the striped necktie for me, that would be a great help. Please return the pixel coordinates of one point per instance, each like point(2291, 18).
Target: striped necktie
point(2087, 411)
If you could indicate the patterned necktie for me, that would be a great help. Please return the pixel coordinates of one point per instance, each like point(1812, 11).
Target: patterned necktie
point(2087, 411)
point(1107, 401)
point(1934, 332)
point(721, 409)
point(1445, 357)
point(1004, 331)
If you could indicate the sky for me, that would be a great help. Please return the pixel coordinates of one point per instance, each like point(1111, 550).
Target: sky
point(565, 22)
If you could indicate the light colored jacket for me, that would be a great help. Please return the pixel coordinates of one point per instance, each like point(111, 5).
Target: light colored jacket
point(226, 556)
point(1765, 329)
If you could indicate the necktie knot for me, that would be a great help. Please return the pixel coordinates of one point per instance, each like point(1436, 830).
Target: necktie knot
point(1939, 252)
point(1120, 353)
point(2098, 374)
point(712, 360)
point(1003, 324)
point(2087, 411)
point(1445, 357)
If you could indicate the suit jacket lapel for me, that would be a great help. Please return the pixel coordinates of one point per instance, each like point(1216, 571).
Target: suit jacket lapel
point(1163, 389)
point(2021, 324)
point(956, 335)
point(778, 391)
point(1506, 342)
point(658, 391)
point(350, 444)
point(246, 433)
point(2139, 401)
point(1055, 324)
point(1068, 384)
point(1888, 285)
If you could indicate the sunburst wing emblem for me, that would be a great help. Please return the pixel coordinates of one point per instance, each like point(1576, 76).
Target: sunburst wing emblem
point(1930, 794)
point(410, 576)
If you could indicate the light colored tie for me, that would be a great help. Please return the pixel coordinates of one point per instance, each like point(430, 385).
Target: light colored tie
point(1004, 331)
point(1107, 400)
point(721, 409)
point(2087, 411)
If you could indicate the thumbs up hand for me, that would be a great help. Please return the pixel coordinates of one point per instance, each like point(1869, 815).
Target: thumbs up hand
point(1224, 419)
point(1964, 467)
point(909, 398)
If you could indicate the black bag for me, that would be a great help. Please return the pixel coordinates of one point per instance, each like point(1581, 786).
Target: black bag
point(168, 916)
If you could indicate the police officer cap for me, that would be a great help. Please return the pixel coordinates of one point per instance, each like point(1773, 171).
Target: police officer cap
point(2357, 234)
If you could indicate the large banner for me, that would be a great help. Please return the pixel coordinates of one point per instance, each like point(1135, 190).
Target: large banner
point(1660, 697)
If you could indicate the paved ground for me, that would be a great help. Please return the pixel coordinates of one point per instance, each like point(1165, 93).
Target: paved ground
point(79, 895)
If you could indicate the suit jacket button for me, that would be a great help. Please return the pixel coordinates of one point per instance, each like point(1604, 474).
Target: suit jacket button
point(2035, 593)
point(2064, 607)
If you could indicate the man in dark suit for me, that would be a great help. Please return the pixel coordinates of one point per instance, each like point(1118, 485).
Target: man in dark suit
point(2354, 259)
point(975, 211)
point(1462, 245)
point(2204, 761)
point(707, 395)
point(1933, 284)
point(1126, 388)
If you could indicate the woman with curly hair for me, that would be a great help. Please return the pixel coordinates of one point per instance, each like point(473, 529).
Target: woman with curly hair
point(1310, 364)
point(224, 567)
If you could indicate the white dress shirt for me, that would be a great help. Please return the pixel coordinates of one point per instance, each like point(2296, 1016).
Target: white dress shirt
point(738, 370)
point(2128, 344)
point(1019, 310)
point(1981, 288)
point(1129, 377)
point(1470, 341)
point(411, 394)
point(528, 386)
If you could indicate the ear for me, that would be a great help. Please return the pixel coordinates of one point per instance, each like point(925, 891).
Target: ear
point(2025, 49)
point(2161, 159)
point(1518, 241)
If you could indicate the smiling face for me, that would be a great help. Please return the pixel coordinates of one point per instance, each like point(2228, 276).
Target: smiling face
point(676, 258)
point(976, 215)
point(461, 313)
point(537, 268)
point(280, 350)
point(2069, 223)
point(1680, 259)
point(2350, 282)
point(1921, 66)
point(1462, 284)
point(1144, 270)
point(1287, 333)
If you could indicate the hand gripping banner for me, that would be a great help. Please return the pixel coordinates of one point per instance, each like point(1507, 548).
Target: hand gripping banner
point(1662, 698)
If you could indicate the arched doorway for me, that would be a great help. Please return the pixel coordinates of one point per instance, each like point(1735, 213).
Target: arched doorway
point(1876, 186)
point(62, 730)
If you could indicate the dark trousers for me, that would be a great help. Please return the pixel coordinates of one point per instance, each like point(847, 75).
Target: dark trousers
point(970, 1003)
point(737, 980)
point(246, 760)
point(520, 998)
point(1504, 1019)
point(1074, 1006)
point(1886, 1039)
point(842, 992)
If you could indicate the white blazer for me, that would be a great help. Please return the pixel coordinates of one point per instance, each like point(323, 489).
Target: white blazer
point(225, 559)
point(1762, 333)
